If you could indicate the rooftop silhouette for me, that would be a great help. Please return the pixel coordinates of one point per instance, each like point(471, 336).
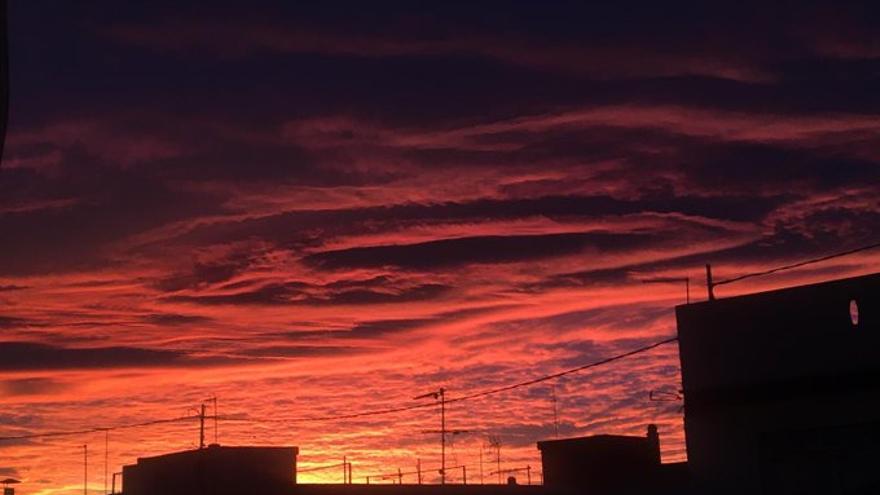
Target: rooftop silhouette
point(779, 386)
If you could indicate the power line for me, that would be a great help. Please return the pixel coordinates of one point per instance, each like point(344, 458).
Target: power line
point(798, 264)
point(564, 373)
point(375, 412)
point(484, 393)
point(309, 419)
point(422, 470)
point(97, 429)
point(320, 468)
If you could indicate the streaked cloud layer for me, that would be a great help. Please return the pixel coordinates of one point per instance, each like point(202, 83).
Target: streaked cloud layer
point(316, 210)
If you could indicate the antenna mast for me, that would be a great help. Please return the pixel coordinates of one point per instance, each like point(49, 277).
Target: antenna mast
point(106, 457)
point(215, 420)
point(202, 427)
point(85, 469)
point(442, 436)
point(441, 396)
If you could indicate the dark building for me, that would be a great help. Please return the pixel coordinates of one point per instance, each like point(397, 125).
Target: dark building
point(602, 464)
point(214, 470)
point(405, 489)
point(781, 389)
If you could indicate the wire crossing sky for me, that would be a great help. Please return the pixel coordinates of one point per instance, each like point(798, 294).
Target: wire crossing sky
point(318, 210)
point(370, 412)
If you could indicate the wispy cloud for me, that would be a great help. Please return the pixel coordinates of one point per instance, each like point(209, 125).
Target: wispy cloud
point(310, 212)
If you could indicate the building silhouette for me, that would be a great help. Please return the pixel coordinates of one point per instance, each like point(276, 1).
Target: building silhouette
point(605, 464)
point(213, 470)
point(781, 387)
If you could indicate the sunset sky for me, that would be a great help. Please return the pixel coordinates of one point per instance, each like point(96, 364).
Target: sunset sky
point(315, 210)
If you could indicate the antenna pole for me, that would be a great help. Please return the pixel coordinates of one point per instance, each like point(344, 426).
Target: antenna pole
point(555, 412)
point(419, 469)
point(498, 460)
point(202, 427)
point(442, 436)
point(85, 470)
point(481, 464)
point(441, 396)
point(106, 456)
point(215, 419)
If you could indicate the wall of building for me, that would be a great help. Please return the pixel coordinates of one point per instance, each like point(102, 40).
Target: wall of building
point(601, 464)
point(769, 379)
point(214, 471)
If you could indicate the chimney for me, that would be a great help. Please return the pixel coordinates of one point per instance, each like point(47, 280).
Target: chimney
point(654, 442)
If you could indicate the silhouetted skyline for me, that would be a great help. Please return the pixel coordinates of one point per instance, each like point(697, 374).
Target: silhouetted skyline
point(315, 210)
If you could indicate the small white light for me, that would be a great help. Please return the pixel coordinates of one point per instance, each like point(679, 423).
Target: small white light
point(854, 312)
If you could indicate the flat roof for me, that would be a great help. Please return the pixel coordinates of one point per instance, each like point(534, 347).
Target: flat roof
point(218, 448)
point(827, 284)
point(592, 441)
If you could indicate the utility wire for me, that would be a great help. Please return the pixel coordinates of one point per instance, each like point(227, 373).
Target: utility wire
point(563, 373)
point(375, 412)
point(426, 469)
point(97, 429)
point(320, 468)
point(470, 396)
point(797, 265)
point(309, 419)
